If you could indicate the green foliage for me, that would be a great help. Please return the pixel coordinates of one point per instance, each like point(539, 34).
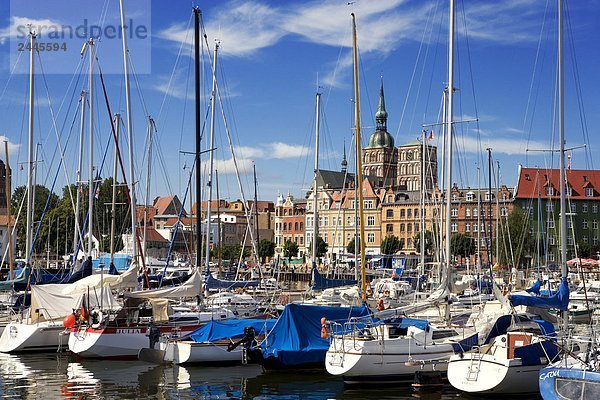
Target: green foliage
point(428, 242)
point(462, 245)
point(233, 252)
point(390, 245)
point(350, 247)
point(290, 249)
point(321, 247)
point(515, 234)
point(584, 250)
point(266, 248)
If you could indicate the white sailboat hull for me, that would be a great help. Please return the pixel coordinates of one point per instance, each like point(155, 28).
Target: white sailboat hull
point(20, 337)
point(388, 360)
point(187, 352)
point(113, 342)
point(491, 375)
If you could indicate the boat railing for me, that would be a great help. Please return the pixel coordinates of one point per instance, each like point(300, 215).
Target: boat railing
point(355, 330)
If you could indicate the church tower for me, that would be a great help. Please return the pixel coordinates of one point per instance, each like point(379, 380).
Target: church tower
point(380, 157)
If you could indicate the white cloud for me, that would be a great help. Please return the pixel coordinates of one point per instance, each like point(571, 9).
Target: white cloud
point(227, 167)
point(18, 28)
point(498, 145)
point(284, 150)
point(12, 147)
point(250, 152)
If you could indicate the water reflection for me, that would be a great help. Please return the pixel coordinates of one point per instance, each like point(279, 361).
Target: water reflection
point(50, 376)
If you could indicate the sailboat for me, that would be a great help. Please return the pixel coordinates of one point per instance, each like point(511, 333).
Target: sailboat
point(510, 362)
point(394, 347)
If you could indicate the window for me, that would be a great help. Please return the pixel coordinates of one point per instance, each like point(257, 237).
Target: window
point(409, 228)
point(551, 240)
point(389, 228)
point(573, 207)
point(504, 212)
point(550, 207)
point(488, 196)
point(551, 257)
point(569, 223)
point(467, 212)
point(595, 241)
point(454, 227)
point(401, 227)
point(475, 228)
point(454, 212)
point(410, 242)
point(454, 197)
point(584, 224)
point(402, 213)
point(594, 208)
point(371, 220)
point(585, 239)
point(569, 240)
point(368, 204)
point(594, 224)
point(589, 192)
point(325, 238)
point(409, 213)
point(416, 212)
point(417, 227)
point(475, 212)
point(584, 207)
point(371, 237)
point(389, 213)
point(467, 227)
point(549, 191)
point(469, 196)
point(569, 191)
point(550, 223)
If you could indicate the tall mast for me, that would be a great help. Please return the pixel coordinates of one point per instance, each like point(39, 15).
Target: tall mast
point(488, 227)
point(497, 210)
point(422, 211)
point(29, 233)
point(219, 235)
point(561, 125)
point(113, 210)
point(478, 220)
point(441, 225)
point(449, 118)
point(213, 102)
point(256, 206)
point(77, 230)
point(8, 212)
point(359, 174)
point(148, 174)
point(316, 172)
point(130, 136)
point(198, 132)
point(91, 151)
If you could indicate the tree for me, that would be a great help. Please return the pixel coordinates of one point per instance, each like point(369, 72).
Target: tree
point(266, 248)
point(428, 242)
point(462, 245)
point(390, 245)
point(350, 247)
point(290, 249)
point(42, 196)
point(234, 252)
point(584, 250)
point(517, 243)
point(321, 247)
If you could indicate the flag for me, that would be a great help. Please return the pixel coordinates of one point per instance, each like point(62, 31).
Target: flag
point(430, 137)
point(569, 161)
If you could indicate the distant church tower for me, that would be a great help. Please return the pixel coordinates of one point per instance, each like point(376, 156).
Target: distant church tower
point(380, 157)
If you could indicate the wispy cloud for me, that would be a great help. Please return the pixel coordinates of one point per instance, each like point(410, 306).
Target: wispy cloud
point(18, 27)
point(283, 150)
point(227, 167)
point(12, 147)
point(501, 145)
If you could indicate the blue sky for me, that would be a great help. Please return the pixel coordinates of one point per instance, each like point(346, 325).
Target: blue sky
point(273, 54)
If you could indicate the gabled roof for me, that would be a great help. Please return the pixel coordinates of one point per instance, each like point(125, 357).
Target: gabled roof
point(533, 181)
point(168, 205)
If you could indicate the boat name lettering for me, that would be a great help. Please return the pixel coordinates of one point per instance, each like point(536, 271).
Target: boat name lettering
point(129, 331)
point(549, 374)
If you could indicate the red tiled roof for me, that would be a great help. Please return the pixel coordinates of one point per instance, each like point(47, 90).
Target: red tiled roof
point(151, 235)
point(533, 181)
point(169, 205)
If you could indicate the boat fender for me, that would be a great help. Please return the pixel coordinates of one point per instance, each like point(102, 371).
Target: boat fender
point(96, 318)
point(324, 329)
point(380, 305)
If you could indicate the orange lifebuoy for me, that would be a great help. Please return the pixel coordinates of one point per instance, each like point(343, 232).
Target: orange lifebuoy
point(386, 292)
point(380, 305)
point(324, 330)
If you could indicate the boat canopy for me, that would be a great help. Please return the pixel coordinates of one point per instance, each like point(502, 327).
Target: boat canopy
point(296, 337)
point(319, 282)
point(233, 328)
point(210, 282)
point(559, 300)
point(21, 279)
point(121, 261)
point(508, 322)
point(535, 288)
point(189, 288)
point(406, 322)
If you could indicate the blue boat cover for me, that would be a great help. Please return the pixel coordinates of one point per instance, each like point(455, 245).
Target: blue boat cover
point(296, 337)
point(22, 277)
point(121, 261)
point(540, 353)
point(405, 322)
point(319, 282)
point(466, 344)
point(559, 300)
point(233, 328)
point(505, 321)
point(210, 282)
point(535, 288)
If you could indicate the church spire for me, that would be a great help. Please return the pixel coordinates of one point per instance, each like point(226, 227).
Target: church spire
point(381, 115)
point(344, 162)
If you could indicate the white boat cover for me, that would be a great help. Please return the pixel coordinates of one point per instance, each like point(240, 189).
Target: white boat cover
point(48, 302)
point(189, 288)
point(127, 279)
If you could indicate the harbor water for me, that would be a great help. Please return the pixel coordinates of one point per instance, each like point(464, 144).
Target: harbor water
point(62, 376)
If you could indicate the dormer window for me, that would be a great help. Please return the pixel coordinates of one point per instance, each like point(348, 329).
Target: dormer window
point(589, 192)
point(470, 196)
point(527, 177)
point(454, 197)
point(549, 191)
point(569, 191)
